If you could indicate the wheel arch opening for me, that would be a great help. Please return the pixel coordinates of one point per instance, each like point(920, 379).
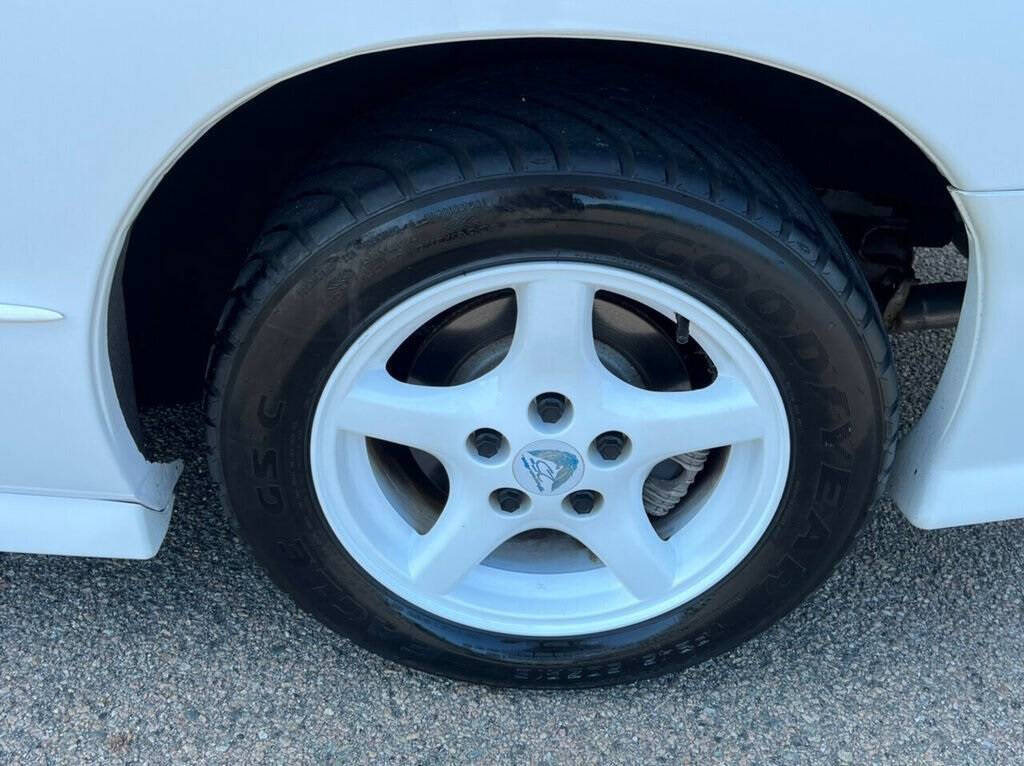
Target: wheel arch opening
point(192, 234)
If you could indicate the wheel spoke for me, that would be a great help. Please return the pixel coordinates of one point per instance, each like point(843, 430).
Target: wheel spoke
point(623, 538)
point(668, 423)
point(430, 418)
point(463, 536)
point(554, 336)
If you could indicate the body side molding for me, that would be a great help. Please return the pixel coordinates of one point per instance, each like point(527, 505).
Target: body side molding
point(12, 312)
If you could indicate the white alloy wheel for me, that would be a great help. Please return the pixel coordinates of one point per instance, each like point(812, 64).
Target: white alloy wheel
point(451, 569)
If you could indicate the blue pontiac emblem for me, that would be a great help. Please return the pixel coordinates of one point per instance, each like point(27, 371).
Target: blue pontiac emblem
point(547, 467)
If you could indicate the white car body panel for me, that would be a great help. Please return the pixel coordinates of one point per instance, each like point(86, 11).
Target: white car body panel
point(962, 462)
point(71, 526)
point(100, 99)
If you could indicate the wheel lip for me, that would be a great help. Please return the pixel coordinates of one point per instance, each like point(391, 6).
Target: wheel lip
point(378, 341)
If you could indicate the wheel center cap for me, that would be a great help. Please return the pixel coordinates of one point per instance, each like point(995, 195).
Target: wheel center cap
point(548, 467)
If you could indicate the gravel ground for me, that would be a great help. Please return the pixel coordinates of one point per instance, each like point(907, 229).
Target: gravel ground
point(912, 652)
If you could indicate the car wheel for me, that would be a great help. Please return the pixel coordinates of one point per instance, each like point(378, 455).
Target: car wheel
point(541, 382)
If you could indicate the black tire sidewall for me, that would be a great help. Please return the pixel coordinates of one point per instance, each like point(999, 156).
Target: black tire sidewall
point(769, 289)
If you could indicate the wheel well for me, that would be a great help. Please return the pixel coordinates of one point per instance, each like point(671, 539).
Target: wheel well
point(189, 241)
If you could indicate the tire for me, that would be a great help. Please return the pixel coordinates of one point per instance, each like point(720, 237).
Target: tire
point(526, 171)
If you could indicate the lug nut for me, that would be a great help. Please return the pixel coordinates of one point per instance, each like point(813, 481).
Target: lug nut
point(583, 501)
point(508, 500)
point(550, 407)
point(487, 442)
point(610, 444)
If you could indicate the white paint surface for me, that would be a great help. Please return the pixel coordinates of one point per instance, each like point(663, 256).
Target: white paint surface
point(963, 463)
point(68, 526)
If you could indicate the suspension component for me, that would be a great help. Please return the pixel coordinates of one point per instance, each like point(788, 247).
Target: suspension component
point(925, 306)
